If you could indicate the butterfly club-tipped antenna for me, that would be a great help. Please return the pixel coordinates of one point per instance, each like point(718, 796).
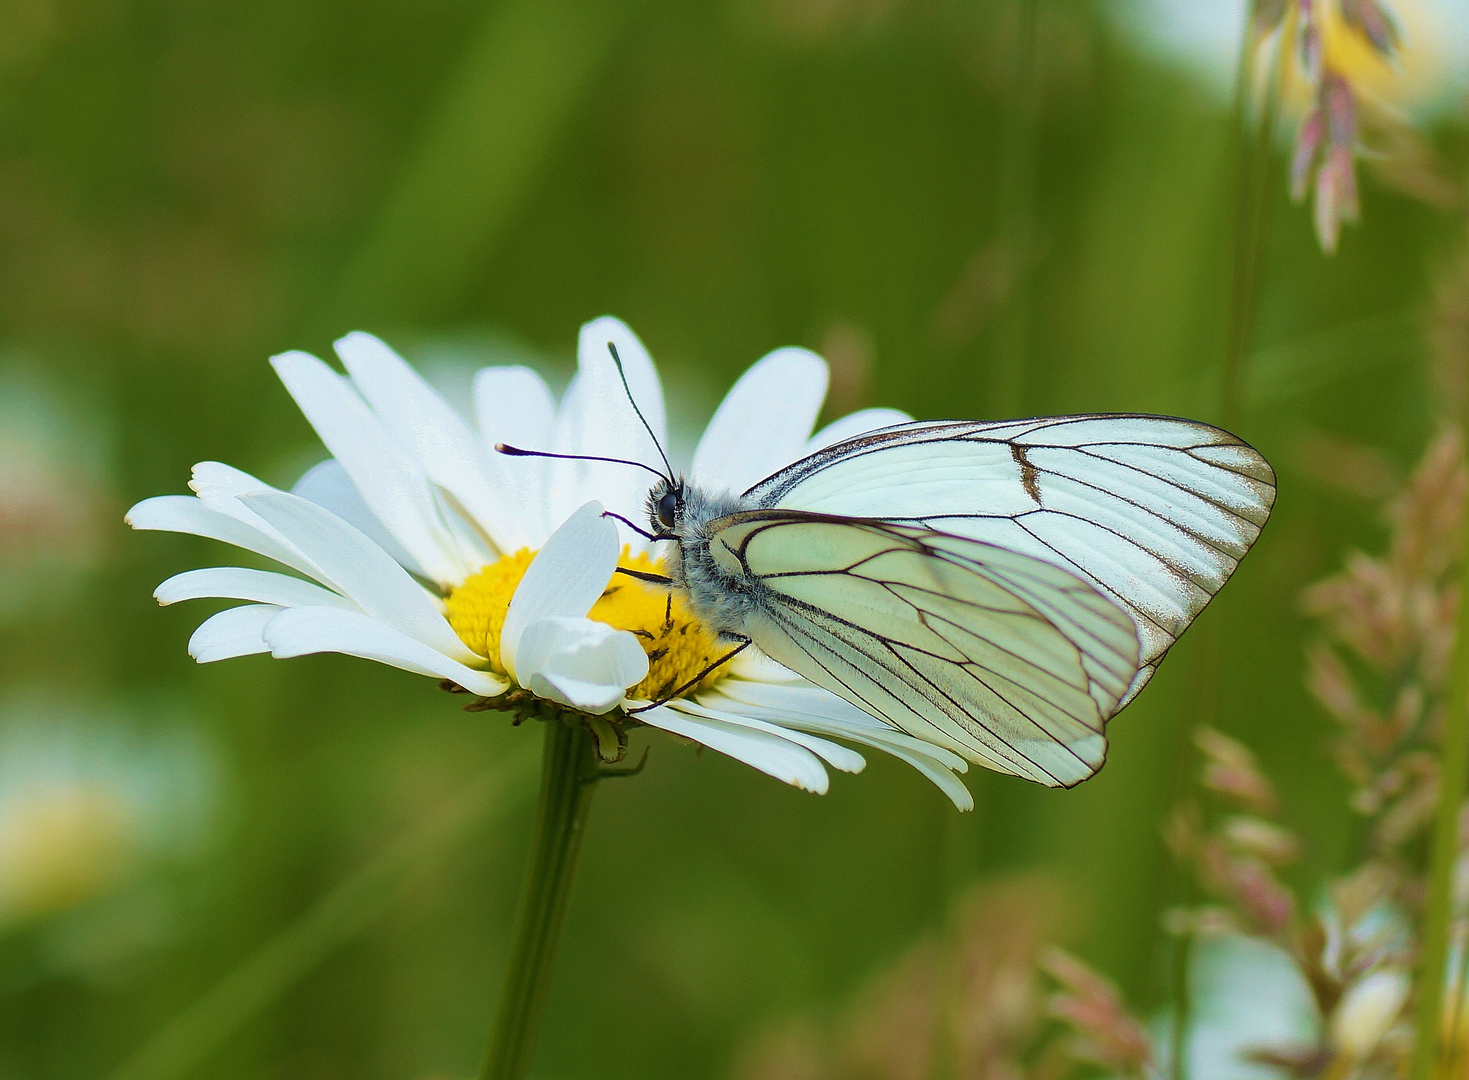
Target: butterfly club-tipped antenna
point(626, 389)
point(516, 451)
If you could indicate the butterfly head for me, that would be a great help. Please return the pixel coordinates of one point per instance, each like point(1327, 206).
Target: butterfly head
point(666, 506)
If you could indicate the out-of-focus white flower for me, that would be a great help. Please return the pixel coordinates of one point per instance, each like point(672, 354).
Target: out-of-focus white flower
point(86, 804)
point(427, 550)
point(1246, 994)
point(1367, 1010)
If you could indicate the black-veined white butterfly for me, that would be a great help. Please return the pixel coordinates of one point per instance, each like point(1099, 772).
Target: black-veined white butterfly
point(1002, 589)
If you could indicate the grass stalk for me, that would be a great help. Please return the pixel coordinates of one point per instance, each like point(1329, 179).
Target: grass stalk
point(1438, 910)
point(1251, 157)
point(568, 775)
point(347, 910)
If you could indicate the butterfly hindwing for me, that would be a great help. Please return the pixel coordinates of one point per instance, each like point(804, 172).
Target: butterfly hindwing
point(1013, 661)
point(1154, 511)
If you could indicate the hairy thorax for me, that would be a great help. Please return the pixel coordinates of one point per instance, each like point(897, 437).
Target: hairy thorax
point(721, 600)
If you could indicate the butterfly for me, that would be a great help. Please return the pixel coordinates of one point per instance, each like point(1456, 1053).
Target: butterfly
point(1002, 588)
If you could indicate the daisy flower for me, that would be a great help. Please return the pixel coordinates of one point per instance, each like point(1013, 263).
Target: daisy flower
point(417, 545)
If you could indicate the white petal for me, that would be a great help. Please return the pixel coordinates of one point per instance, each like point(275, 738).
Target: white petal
point(390, 482)
point(597, 418)
point(852, 425)
point(754, 664)
point(359, 569)
point(834, 754)
point(237, 583)
point(300, 631)
point(763, 422)
point(219, 487)
point(329, 487)
point(447, 450)
point(186, 514)
point(564, 580)
point(813, 709)
point(514, 406)
point(820, 710)
point(578, 662)
point(777, 757)
point(236, 631)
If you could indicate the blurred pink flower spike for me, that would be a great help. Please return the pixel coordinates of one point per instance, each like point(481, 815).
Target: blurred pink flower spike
point(1373, 20)
point(1309, 39)
point(1335, 119)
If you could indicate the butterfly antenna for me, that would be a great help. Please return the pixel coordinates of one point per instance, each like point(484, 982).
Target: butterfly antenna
point(515, 451)
point(617, 361)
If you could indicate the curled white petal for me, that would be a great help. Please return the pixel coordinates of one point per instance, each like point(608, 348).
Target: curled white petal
point(564, 580)
point(236, 631)
point(587, 665)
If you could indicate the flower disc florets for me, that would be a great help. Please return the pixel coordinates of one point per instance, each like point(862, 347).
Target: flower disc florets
point(679, 648)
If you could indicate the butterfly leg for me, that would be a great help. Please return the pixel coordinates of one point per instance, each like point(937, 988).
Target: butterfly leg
point(652, 579)
point(666, 698)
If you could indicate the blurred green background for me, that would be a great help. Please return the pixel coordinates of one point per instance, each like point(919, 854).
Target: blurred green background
point(969, 213)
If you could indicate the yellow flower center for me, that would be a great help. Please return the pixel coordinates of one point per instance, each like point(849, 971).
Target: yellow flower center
point(678, 646)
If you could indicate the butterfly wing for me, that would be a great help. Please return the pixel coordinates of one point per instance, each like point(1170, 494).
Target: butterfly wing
point(1011, 661)
point(1156, 512)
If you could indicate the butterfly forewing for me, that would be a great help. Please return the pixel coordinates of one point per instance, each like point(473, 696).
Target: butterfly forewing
point(1012, 661)
point(1155, 512)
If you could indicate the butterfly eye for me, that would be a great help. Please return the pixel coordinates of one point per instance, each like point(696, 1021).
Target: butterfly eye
point(667, 509)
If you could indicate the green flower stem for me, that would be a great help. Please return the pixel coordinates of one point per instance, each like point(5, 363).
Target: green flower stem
point(568, 774)
point(1453, 766)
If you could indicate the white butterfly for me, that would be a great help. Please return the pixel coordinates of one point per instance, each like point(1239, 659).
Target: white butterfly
point(1001, 589)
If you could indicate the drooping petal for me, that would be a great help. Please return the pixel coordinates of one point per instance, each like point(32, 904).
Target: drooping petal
point(390, 482)
point(597, 418)
point(850, 426)
point(587, 665)
point(812, 709)
point(772, 755)
point(764, 421)
point(186, 514)
point(236, 631)
point(564, 580)
point(359, 569)
point(329, 487)
point(513, 405)
point(305, 630)
point(238, 583)
point(422, 422)
point(834, 754)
